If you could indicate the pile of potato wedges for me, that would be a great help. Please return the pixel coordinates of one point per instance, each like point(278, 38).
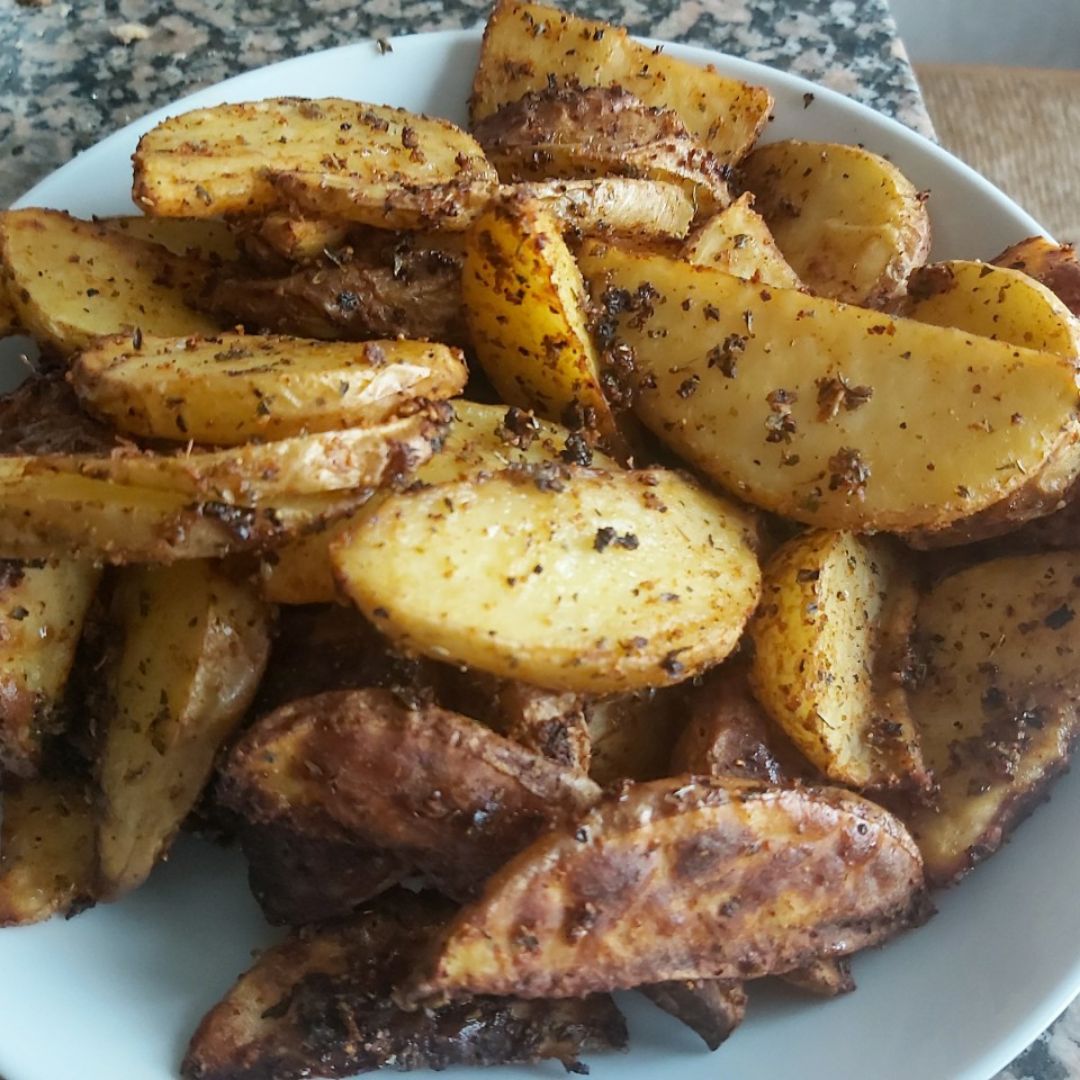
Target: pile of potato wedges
point(583, 553)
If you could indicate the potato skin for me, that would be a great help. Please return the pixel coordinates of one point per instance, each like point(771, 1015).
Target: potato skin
point(631, 580)
point(712, 1008)
point(599, 899)
point(1054, 265)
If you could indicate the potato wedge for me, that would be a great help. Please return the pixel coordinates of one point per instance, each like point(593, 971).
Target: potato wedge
point(530, 46)
point(550, 723)
point(629, 580)
point(298, 239)
point(9, 321)
point(851, 225)
point(230, 389)
point(525, 306)
point(737, 241)
point(206, 239)
point(447, 795)
point(826, 977)
point(42, 609)
point(481, 438)
point(632, 735)
point(997, 710)
point(249, 475)
point(42, 416)
point(825, 413)
point(321, 1004)
point(831, 641)
point(102, 521)
point(712, 1008)
point(677, 879)
point(71, 281)
point(371, 164)
point(193, 645)
point(46, 850)
point(1054, 265)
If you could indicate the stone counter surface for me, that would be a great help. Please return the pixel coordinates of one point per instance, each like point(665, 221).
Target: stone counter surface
point(73, 72)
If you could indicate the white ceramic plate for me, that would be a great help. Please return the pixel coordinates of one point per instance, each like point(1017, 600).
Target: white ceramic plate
point(114, 994)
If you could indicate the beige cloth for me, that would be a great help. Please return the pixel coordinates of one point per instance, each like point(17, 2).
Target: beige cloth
point(1020, 128)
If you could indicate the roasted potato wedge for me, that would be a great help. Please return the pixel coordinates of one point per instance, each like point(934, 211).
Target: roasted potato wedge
point(997, 709)
point(632, 735)
point(529, 46)
point(71, 281)
point(446, 794)
point(42, 609)
point(551, 724)
point(525, 306)
point(851, 225)
point(598, 899)
point(825, 977)
point(292, 238)
point(46, 850)
point(192, 647)
point(737, 241)
point(233, 388)
point(371, 164)
point(568, 579)
point(321, 1004)
point(830, 649)
point(211, 241)
point(1054, 265)
point(825, 413)
point(712, 1008)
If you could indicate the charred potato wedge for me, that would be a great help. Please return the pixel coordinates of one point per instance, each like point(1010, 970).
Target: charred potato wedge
point(825, 413)
point(567, 579)
point(192, 648)
point(46, 850)
point(997, 709)
point(71, 281)
point(1053, 265)
point(598, 900)
point(371, 164)
point(42, 610)
point(528, 47)
point(738, 241)
point(851, 225)
point(233, 388)
point(446, 794)
point(830, 645)
point(321, 1003)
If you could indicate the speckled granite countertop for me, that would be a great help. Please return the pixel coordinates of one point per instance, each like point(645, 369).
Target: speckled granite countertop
point(70, 73)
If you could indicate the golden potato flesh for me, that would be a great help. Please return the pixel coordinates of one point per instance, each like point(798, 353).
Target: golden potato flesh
point(851, 225)
point(42, 610)
point(71, 281)
point(528, 47)
point(232, 388)
point(829, 641)
point(826, 413)
point(200, 238)
point(681, 879)
point(193, 645)
point(371, 164)
point(997, 710)
point(566, 578)
point(737, 241)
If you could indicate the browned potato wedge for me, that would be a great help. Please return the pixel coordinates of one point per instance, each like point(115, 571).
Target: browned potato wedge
point(193, 645)
point(619, 205)
point(443, 792)
point(103, 521)
point(632, 736)
point(1054, 265)
point(575, 132)
point(46, 850)
point(997, 710)
point(71, 281)
point(851, 225)
point(335, 158)
point(825, 977)
point(550, 723)
point(354, 459)
point(826, 413)
point(298, 239)
point(481, 438)
point(830, 644)
point(321, 1003)
point(198, 238)
point(42, 416)
point(738, 241)
point(529, 46)
point(299, 878)
point(600, 898)
point(713, 1008)
point(233, 388)
point(525, 306)
point(568, 579)
point(42, 609)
